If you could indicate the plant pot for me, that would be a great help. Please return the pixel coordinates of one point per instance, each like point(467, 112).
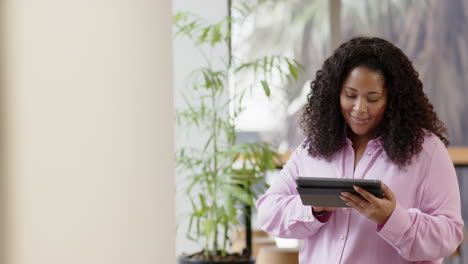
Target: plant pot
point(183, 260)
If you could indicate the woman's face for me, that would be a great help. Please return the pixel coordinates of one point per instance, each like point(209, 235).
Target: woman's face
point(363, 100)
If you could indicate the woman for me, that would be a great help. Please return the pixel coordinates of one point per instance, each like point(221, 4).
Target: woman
point(367, 117)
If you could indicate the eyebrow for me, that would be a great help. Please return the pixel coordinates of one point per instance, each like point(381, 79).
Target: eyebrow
point(357, 90)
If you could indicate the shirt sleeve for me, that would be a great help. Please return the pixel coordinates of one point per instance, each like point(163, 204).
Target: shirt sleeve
point(435, 229)
point(280, 211)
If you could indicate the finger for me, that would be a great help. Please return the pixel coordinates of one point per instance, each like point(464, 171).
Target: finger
point(352, 204)
point(367, 195)
point(387, 192)
point(317, 209)
point(354, 198)
point(321, 209)
point(362, 210)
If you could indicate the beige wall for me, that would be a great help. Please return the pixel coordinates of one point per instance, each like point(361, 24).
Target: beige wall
point(87, 132)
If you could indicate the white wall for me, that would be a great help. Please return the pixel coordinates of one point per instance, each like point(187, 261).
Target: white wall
point(87, 132)
point(186, 59)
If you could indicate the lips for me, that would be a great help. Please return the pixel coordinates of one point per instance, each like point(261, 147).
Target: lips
point(359, 120)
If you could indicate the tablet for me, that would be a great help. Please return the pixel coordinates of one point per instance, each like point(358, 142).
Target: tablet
point(325, 192)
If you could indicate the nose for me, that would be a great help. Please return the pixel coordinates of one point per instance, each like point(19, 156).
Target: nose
point(360, 105)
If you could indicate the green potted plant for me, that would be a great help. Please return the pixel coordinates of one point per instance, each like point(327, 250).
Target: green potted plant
point(223, 174)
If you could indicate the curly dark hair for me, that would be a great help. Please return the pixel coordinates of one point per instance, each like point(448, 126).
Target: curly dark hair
point(408, 117)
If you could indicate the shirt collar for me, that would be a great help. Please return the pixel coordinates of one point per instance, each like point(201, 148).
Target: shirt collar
point(376, 142)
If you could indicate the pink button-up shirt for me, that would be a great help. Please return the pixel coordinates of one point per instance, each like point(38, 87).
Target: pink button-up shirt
point(425, 226)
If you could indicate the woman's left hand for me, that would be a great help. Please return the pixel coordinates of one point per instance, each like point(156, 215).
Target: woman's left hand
point(376, 209)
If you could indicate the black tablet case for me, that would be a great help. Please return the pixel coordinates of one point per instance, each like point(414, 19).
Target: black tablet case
point(325, 192)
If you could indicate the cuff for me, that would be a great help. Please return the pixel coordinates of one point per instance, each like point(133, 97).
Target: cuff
point(304, 214)
point(396, 225)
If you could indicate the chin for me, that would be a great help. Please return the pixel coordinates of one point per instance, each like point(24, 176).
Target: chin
point(359, 131)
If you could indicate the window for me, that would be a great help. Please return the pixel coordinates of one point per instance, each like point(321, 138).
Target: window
point(433, 34)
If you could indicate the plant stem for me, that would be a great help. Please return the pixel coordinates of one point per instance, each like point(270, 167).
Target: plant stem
point(215, 169)
point(225, 237)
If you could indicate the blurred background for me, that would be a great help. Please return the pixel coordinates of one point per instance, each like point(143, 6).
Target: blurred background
point(432, 34)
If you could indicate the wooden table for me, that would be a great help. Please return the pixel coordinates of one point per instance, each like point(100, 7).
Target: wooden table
point(459, 156)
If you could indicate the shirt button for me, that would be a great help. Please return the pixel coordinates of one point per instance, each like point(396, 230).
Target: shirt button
point(368, 153)
point(342, 237)
point(307, 218)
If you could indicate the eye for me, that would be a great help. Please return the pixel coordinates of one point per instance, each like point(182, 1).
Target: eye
point(372, 101)
point(350, 96)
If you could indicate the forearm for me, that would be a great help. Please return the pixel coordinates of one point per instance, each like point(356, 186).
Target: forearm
point(420, 237)
point(285, 216)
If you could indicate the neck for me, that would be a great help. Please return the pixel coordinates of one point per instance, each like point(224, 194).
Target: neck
point(360, 141)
